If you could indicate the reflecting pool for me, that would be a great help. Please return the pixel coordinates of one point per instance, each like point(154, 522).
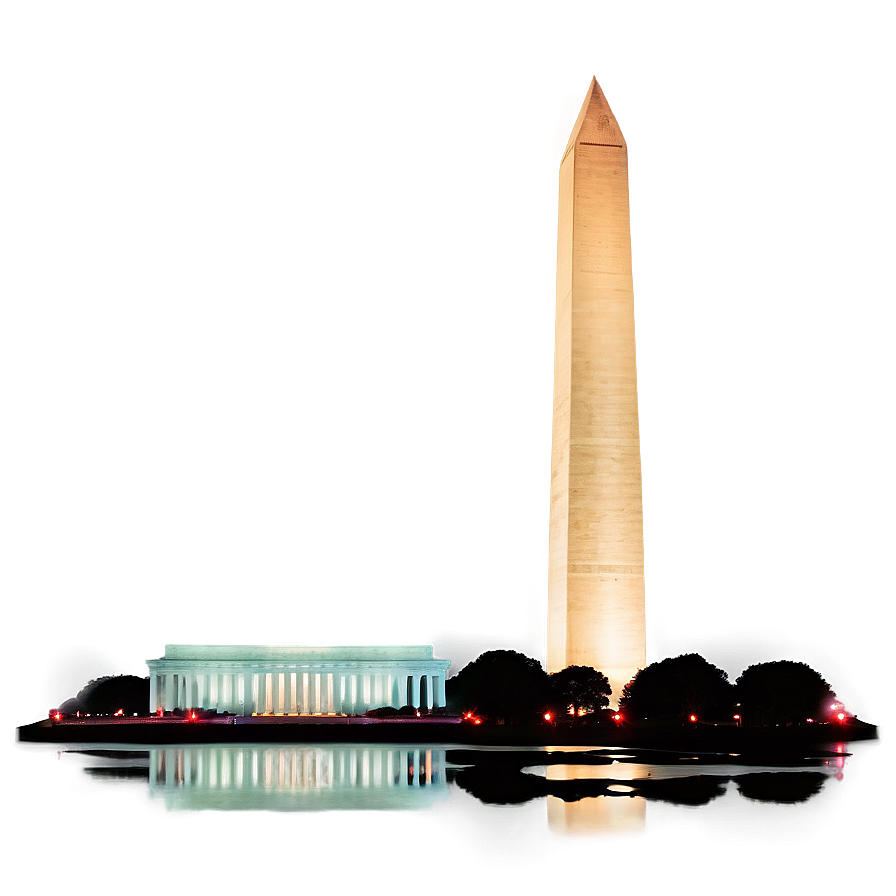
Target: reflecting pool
point(517, 819)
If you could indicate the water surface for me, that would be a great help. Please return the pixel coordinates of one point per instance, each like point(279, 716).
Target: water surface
point(513, 820)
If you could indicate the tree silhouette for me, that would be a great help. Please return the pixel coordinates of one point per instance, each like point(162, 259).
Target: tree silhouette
point(501, 685)
point(581, 687)
point(678, 687)
point(781, 693)
point(127, 692)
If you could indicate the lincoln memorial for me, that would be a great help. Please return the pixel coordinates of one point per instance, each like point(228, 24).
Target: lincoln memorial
point(251, 681)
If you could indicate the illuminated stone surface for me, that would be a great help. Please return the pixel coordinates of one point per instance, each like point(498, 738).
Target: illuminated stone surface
point(248, 680)
point(596, 577)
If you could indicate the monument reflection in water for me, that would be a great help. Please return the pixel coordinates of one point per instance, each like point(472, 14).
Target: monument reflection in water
point(297, 778)
point(594, 814)
point(290, 779)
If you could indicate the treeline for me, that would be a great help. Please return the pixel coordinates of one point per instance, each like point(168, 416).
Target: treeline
point(506, 686)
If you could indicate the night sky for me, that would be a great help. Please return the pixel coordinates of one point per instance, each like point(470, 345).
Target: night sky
point(277, 328)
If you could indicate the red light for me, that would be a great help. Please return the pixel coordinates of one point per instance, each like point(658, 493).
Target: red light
point(58, 716)
point(548, 717)
point(692, 717)
point(841, 716)
point(119, 713)
point(477, 721)
point(617, 717)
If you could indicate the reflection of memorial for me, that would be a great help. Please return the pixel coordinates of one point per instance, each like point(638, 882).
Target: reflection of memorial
point(297, 778)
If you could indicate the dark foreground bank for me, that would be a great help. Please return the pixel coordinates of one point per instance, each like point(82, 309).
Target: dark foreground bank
point(447, 730)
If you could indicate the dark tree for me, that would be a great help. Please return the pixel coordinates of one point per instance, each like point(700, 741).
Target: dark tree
point(677, 687)
point(581, 687)
point(500, 685)
point(105, 696)
point(781, 693)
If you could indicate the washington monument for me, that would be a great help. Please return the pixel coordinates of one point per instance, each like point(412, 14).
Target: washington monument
point(596, 577)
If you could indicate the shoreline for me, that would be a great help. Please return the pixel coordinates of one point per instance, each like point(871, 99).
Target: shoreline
point(704, 738)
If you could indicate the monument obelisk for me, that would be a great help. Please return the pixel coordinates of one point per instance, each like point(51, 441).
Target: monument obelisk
point(596, 577)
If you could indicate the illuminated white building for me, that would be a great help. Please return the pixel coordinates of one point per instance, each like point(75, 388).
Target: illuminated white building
point(596, 614)
point(295, 680)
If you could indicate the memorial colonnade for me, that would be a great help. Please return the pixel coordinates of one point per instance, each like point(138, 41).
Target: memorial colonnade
point(295, 680)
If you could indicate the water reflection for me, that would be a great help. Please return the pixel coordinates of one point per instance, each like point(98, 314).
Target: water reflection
point(585, 790)
point(501, 830)
point(285, 778)
point(633, 771)
point(596, 818)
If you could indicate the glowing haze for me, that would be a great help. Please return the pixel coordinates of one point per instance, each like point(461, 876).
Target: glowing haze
point(278, 329)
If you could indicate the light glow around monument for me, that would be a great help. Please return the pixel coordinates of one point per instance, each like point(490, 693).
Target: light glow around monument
point(596, 578)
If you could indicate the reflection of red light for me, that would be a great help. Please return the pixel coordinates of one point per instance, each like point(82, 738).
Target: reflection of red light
point(477, 721)
point(119, 713)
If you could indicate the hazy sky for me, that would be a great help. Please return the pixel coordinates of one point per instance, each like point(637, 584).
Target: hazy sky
point(277, 327)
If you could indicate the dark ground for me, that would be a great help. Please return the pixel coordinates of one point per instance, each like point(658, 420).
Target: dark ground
point(231, 729)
